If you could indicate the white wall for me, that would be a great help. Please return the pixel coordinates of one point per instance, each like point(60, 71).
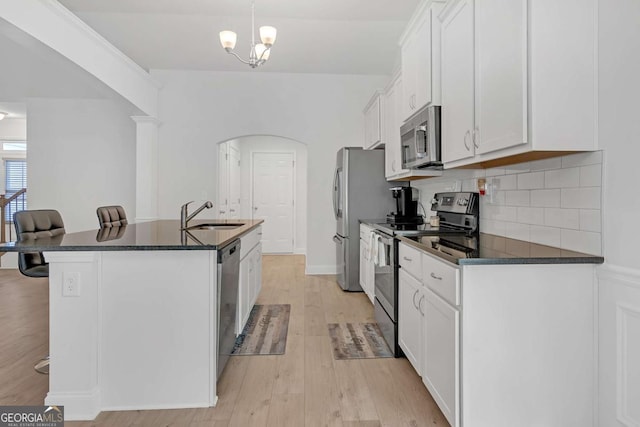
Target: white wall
point(13, 130)
point(619, 277)
point(81, 155)
point(264, 143)
point(553, 202)
point(199, 109)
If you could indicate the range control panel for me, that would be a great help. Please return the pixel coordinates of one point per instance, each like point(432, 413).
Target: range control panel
point(463, 202)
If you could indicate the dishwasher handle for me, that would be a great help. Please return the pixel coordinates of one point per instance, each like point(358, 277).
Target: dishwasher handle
point(228, 251)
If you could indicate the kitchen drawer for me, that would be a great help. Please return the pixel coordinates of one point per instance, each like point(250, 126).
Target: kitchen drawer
point(365, 230)
point(410, 260)
point(249, 240)
point(442, 278)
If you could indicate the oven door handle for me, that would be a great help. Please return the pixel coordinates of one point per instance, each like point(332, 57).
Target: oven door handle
point(384, 238)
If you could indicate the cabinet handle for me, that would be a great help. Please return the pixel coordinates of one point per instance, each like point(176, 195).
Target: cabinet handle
point(420, 305)
point(467, 134)
point(436, 277)
point(222, 212)
point(475, 137)
point(232, 210)
point(414, 299)
point(407, 259)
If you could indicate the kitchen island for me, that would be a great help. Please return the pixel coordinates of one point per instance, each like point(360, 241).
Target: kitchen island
point(133, 315)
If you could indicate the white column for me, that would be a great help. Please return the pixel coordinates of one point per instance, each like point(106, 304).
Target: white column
point(146, 168)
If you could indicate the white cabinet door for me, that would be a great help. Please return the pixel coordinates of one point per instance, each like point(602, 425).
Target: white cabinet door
point(441, 363)
point(373, 121)
point(422, 62)
point(364, 247)
point(393, 112)
point(223, 180)
point(243, 294)
point(255, 282)
point(410, 299)
point(457, 83)
point(501, 74)
point(408, 77)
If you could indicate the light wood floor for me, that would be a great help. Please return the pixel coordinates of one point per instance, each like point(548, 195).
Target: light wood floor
point(304, 387)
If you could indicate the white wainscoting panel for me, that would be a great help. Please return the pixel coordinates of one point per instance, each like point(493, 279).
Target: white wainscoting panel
point(628, 369)
point(619, 346)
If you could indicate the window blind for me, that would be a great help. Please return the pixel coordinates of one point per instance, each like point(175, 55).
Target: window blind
point(15, 179)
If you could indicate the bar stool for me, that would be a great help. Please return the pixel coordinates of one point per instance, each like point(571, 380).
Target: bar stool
point(111, 216)
point(31, 226)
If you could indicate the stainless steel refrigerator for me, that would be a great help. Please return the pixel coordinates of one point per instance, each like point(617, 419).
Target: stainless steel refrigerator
point(360, 191)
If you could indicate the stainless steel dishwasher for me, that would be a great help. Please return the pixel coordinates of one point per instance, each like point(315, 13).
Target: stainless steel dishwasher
point(228, 278)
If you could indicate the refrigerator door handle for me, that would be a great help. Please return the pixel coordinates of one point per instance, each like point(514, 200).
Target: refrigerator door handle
point(335, 193)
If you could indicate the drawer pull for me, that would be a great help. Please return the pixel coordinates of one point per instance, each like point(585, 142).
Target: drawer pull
point(436, 277)
point(407, 259)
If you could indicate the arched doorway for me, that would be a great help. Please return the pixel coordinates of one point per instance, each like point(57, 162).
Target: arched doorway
point(265, 177)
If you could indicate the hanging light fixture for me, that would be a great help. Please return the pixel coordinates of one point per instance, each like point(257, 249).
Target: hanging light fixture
point(259, 52)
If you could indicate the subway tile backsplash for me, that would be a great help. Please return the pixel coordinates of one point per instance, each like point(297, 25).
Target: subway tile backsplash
point(555, 202)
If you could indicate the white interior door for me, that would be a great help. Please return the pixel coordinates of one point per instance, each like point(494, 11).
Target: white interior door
point(234, 182)
point(223, 181)
point(272, 194)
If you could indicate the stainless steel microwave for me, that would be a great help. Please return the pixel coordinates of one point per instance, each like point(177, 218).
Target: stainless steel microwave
point(421, 140)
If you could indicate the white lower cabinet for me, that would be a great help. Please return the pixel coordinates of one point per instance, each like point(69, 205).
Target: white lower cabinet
point(441, 350)
point(367, 268)
point(501, 344)
point(250, 281)
point(410, 300)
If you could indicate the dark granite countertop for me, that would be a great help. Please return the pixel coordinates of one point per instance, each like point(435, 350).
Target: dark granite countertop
point(492, 249)
point(145, 236)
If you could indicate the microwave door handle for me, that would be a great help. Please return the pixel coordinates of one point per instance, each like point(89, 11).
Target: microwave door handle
point(419, 138)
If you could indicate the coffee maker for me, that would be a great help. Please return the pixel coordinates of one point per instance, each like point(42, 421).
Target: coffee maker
point(406, 206)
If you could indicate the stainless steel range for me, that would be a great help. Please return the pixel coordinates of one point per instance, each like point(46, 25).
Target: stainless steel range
point(458, 217)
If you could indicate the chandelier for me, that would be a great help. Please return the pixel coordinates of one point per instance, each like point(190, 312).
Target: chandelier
point(259, 52)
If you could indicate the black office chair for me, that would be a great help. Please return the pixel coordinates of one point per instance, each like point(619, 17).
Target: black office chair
point(111, 216)
point(31, 226)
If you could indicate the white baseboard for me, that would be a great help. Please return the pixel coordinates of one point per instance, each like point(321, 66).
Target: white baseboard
point(313, 270)
point(160, 407)
point(77, 406)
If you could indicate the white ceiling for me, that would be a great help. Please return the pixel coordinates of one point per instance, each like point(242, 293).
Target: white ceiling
point(314, 36)
point(31, 69)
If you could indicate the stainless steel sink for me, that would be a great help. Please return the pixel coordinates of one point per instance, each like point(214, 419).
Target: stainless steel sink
point(215, 226)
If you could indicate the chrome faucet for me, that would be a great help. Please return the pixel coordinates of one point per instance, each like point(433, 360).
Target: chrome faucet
point(185, 217)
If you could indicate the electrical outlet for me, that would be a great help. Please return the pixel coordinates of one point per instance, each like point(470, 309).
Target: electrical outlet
point(71, 284)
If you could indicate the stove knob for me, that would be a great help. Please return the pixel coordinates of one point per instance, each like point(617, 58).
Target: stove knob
point(434, 201)
point(463, 202)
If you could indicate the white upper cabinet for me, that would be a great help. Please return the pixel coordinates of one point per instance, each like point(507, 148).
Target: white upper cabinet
point(518, 80)
point(420, 60)
point(501, 74)
point(373, 121)
point(457, 83)
point(392, 148)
